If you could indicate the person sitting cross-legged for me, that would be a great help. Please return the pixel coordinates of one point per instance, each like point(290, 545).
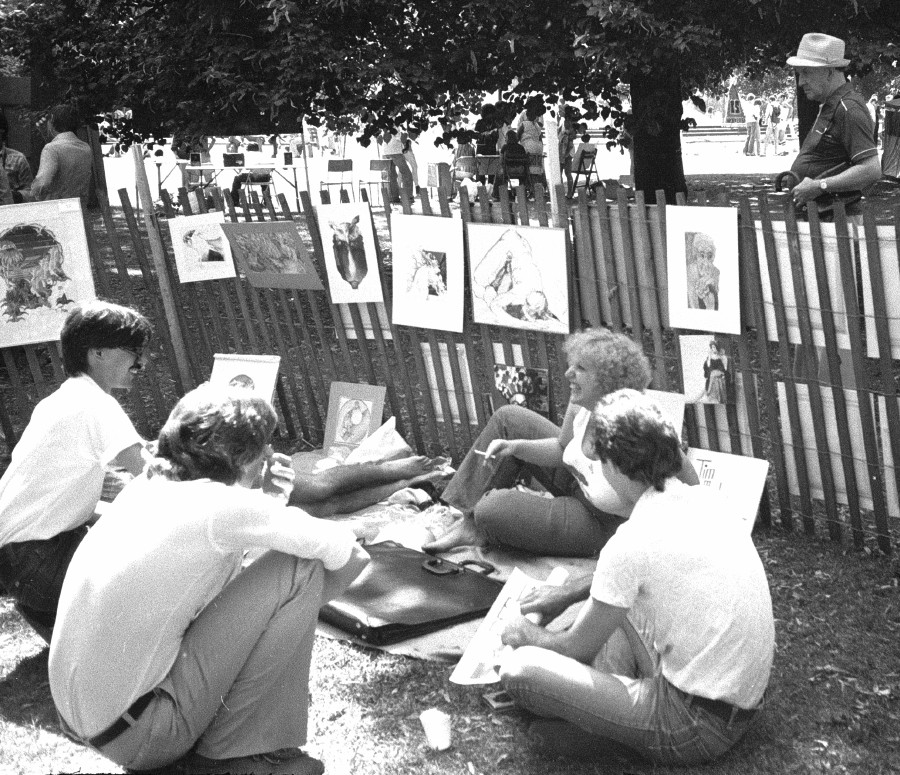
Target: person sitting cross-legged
point(671, 654)
point(167, 654)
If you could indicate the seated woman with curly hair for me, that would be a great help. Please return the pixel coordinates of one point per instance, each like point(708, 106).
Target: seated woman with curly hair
point(585, 511)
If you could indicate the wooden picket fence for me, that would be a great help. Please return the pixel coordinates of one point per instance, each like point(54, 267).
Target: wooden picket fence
point(831, 447)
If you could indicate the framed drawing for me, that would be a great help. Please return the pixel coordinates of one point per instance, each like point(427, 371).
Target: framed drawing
point(707, 369)
point(519, 277)
point(257, 373)
point(354, 411)
point(702, 264)
point(272, 255)
point(201, 250)
point(428, 272)
point(45, 269)
point(523, 387)
point(348, 245)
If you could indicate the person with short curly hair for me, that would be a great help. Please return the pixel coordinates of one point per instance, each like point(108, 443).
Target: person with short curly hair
point(170, 647)
point(584, 510)
point(671, 654)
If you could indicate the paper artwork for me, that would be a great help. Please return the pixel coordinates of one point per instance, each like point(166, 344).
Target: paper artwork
point(256, 373)
point(45, 269)
point(519, 277)
point(702, 262)
point(427, 255)
point(522, 386)
point(200, 248)
point(348, 245)
point(707, 369)
point(354, 412)
point(740, 479)
point(272, 255)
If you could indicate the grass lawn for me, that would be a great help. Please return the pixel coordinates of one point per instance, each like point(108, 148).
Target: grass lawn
point(833, 704)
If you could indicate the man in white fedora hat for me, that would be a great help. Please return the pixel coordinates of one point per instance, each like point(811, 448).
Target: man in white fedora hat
point(838, 156)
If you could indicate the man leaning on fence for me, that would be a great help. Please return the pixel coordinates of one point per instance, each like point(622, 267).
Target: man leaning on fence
point(838, 156)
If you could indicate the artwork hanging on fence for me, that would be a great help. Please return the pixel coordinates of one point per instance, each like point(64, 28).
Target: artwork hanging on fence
point(702, 262)
point(348, 245)
point(354, 411)
point(707, 370)
point(742, 478)
point(519, 277)
point(201, 250)
point(522, 386)
point(427, 256)
point(272, 255)
point(256, 373)
point(807, 264)
point(45, 269)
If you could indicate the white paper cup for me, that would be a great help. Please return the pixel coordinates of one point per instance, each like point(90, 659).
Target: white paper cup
point(436, 724)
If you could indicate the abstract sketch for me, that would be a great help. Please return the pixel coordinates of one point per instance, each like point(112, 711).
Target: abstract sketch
point(44, 269)
point(522, 386)
point(348, 245)
point(702, 268)
point(427, 272)
point(200, 248)
point(272, 255)
point(257, 373)
point(519, 277)
point(354, 411)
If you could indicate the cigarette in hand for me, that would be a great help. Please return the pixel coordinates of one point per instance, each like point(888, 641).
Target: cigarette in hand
point(485, 455)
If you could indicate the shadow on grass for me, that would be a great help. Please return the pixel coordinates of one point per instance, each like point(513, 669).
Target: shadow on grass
point(25, 694)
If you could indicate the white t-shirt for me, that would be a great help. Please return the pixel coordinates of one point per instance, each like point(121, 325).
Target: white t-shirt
point(589, 473)
point(149, 566)
point(56, 475)
point(680, 564)
point(393, 146)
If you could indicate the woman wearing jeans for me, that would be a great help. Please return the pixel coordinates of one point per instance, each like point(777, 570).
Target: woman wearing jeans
point(584, 511)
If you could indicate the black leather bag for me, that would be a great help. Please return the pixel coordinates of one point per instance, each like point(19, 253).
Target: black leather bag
point(403, 593)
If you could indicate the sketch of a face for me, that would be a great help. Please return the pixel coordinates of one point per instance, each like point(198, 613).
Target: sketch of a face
point(242, 381)
point(206, 243)
point(702, 274)
point(31, 265)
point(353, 421)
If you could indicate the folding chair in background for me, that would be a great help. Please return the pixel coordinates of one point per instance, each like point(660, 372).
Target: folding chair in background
point(587, 167)
point(379, 175)
point(339, 173)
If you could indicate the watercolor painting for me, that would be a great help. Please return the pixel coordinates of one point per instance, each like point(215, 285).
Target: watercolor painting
point(519, 277)
point(200, 248)
point(45, 269)
point(428, 272)
point(351, 260)
point(272, 255)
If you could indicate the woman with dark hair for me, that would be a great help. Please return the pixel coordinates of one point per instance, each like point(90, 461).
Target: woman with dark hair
point(165, 644)
point(715, 370)
point(50, 491)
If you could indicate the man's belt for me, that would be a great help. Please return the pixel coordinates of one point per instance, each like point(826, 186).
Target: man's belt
point(724, 710)
point(126, 720)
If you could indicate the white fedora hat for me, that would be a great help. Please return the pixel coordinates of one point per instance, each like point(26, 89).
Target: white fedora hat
point(819, 50)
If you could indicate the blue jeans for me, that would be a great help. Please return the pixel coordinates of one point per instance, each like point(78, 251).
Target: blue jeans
point(566, 525)
point(622, 696)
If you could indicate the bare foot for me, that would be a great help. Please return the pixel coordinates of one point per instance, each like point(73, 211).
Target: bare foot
point(462, 533)
point(407, 467)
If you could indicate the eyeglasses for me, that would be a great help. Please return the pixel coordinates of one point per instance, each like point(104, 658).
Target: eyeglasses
point(138, 354)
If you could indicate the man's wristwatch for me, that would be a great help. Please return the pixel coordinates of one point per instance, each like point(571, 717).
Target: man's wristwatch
point(823, 184)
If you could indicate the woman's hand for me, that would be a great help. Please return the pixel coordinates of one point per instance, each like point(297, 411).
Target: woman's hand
point(520, 632)
point(498, 450)
point(278, 477)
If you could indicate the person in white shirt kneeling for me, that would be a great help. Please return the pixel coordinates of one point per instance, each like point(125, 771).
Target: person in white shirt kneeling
point(672, 652)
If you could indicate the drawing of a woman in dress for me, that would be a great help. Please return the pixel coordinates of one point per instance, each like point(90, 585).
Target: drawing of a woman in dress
point(715, 370)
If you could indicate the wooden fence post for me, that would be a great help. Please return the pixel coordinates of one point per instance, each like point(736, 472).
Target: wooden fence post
point(157, 251)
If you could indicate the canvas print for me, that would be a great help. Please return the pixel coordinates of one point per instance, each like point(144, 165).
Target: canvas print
point(707, 370)
point(201, 250)
point(354, 411)
point(256, 373)
point(427, 255)
point(703, 275)
point(272, 255)
point(519, 277)
point(45, 269)
point(348, 245)
point(522, 386)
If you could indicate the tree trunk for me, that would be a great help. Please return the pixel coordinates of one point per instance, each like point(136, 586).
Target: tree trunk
point(656, 117)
